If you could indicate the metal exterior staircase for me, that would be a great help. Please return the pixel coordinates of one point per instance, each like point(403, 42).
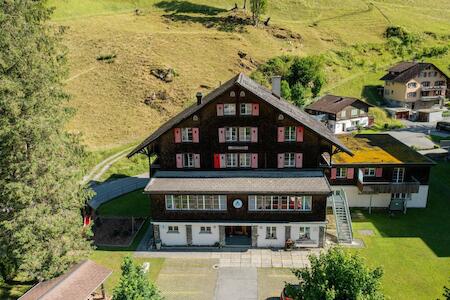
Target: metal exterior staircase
point(343, 217)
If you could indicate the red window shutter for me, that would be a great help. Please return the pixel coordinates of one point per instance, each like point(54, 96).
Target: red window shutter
point(219, 109)
point(280, 160)
point(216, 161)
point(280, 134)
point(255, 109)
point(298, 160)
point(379, 172)
point(299, 133)
point(177, 134)
point(221, 135)
point(195, 135)
point(254, 135)
point(197, 160)
point(333, 173)
point(254, 160)
point(350, 173)
point(179, 158)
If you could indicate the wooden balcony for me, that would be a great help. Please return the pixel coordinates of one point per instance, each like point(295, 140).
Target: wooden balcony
point(376, 187)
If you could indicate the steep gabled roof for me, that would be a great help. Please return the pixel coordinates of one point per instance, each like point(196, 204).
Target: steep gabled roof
point(405, 71)
point(333, 104)
point(260, 91)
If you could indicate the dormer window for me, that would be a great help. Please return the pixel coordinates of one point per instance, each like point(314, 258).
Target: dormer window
point(186, 135)
point(246, 109)
point(229, 109)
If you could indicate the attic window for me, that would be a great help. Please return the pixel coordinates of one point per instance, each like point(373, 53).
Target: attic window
point(232, 94)
point(242, 94)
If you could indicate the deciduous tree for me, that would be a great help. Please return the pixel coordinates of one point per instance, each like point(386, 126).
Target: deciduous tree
point(336, 275)
point(133, 285)
point(41, 232)
point(258, 7)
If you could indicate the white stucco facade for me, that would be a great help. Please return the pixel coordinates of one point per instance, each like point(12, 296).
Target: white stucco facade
point(341, 126)
point(262, 241)
point(356, 199)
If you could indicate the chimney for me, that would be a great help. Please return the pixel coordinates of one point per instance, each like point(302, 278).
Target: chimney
point(199, 96)
point(276, 86)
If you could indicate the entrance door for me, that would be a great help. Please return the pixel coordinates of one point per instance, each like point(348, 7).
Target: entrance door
point(238, 235)
point(343, 127)
point(398, 175)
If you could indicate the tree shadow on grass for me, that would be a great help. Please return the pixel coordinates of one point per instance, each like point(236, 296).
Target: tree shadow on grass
point(208, 16)
point(186, 7)
point(373, 94)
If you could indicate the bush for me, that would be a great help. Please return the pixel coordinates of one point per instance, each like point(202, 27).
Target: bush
point(436, 51)
point(335, 275)
point(108, 58)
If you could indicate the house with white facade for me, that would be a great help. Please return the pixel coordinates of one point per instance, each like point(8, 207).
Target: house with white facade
point(341, 114)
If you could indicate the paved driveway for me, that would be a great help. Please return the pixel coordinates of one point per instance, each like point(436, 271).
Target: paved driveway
point(235, 283)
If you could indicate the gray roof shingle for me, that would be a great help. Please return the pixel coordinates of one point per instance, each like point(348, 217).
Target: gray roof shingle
point(333, 104)
point(226, 182)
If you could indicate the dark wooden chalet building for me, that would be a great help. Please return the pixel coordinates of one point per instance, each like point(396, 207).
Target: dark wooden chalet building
point(241, 166)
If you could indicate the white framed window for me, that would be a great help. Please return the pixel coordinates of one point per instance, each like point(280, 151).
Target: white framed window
point(245, 160)
point(289, 160)
point(205, 229)
point(354, 112)
point(229, 109)
point(369, 172)
point(341, 173)
point(398, 175)
point(232, 160)
point(196, 202)
point(245, 134)
point(186, 134)
point(411, 95)
point(271, 233)
point(188, 160)
point(231, 134)
point(172, 229)
point(289, 134)
point(279, 203)
point(343, 114)
point(245, 109)
point(412, 85)
point(304, 233)
point(425, 83)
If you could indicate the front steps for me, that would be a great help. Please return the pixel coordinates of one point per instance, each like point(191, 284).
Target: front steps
point(343, 218)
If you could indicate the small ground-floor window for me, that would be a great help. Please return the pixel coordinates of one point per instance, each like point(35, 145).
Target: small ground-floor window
point(304, 233)
point(205, 229)
point(271, 233)
point(172, 229)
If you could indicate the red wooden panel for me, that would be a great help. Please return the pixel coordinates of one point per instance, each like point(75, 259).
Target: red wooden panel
point(177, 134)
point(195, 135)
point(280, 134)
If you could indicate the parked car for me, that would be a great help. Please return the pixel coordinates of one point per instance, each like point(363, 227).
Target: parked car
point(441, 125)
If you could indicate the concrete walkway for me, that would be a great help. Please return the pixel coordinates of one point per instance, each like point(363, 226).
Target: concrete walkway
point(115, 188)
point(257, 258)
point(237, 284)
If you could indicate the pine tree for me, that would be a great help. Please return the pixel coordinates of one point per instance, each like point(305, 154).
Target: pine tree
point(41, 232)
point(133, 285)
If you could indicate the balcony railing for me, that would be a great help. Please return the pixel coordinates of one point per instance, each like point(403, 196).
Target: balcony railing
point(433, 88)
point(376, 187)
point(431, 98)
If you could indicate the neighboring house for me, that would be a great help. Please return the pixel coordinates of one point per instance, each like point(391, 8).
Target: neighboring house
point(415, 90)
point(341, 114)
point(242, 166)
point(383, 172)
point(245, 167)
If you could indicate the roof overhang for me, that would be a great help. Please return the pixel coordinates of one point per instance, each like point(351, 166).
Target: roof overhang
point(235, 182)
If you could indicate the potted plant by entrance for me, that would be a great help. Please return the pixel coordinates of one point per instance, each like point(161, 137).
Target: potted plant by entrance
point(158, 244)
point(289, 245)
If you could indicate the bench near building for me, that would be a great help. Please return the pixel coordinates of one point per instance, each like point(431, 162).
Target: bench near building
point(243, 167)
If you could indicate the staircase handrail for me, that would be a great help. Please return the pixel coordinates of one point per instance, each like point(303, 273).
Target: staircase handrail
point(347, 213)
point(338, 231)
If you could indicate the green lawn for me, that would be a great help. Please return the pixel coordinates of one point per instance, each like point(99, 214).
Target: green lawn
point(134, 204)
point(413, 249)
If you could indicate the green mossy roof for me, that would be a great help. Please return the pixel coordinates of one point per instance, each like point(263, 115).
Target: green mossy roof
point(377, 149)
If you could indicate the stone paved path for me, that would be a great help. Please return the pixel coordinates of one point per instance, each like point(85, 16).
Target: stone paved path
point(259, 258)
point(237, 284)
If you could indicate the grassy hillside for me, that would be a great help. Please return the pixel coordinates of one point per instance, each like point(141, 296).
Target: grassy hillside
point(201, 44)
